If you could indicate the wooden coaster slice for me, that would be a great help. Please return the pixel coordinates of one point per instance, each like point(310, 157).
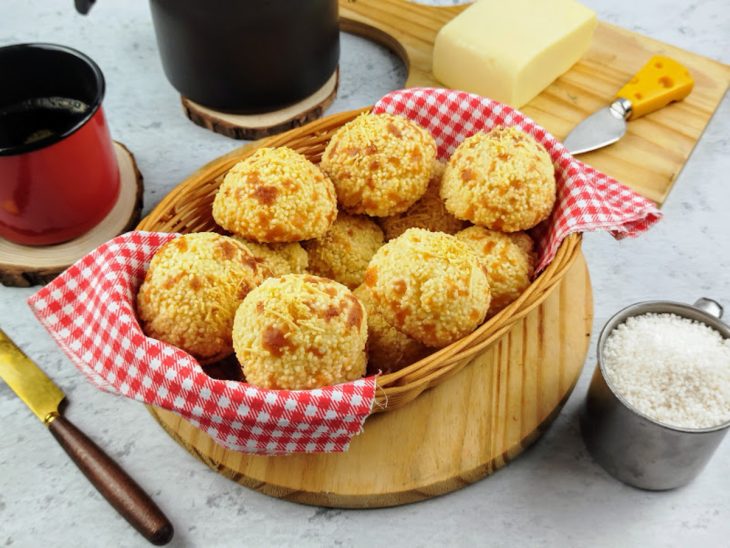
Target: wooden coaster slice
point(23, 266)
point(256, 126)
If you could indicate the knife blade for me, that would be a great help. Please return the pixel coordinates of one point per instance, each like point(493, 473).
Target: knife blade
point(43, 397)
point(30, 384)
point(662, 80)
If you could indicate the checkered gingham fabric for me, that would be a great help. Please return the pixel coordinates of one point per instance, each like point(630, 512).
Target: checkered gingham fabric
point(587, 200)
point(89, 310)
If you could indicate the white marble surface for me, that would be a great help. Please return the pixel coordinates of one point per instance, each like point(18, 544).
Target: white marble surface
point(553, 495)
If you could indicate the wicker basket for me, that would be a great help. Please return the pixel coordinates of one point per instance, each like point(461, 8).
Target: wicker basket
point(188, 209)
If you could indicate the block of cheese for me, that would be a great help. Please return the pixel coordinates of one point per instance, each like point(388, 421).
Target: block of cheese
point(510, 50)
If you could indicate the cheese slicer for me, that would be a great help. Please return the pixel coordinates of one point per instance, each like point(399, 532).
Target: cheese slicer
point(660, 81)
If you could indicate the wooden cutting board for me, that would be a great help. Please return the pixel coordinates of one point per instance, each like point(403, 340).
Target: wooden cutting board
point(450, 436)
point(653, 152)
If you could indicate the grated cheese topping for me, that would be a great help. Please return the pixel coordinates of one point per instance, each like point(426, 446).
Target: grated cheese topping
point(275, 195)
point(299, 332)
point(380, 164)
point(509, 259)
point(430, 286)
point(503, 180)
point(429, 212)
point(345, 250)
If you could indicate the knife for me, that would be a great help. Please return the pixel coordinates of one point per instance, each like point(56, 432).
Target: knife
point(43, 397)
point(660, 82)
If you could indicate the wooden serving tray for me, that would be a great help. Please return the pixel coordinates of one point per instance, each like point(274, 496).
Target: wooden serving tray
point(652, 153)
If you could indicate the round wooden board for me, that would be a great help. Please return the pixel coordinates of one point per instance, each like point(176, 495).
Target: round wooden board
point(450, 436)
point(23, 266)
point(257, 126)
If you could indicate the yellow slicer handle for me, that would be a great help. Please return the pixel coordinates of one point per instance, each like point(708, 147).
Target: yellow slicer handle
point(660, 82)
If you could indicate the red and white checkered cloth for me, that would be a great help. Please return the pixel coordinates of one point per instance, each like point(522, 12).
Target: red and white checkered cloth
point(90, 309)
point(587, 199)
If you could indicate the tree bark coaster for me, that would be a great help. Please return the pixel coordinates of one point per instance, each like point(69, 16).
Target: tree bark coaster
point(257, 126)
point(24, 266)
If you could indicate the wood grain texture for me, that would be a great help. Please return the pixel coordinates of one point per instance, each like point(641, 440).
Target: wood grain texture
point(260, 125)
point(653, 152)
point(24, 266)
point(450, 436)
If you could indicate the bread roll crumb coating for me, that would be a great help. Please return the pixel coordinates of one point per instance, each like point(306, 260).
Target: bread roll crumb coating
point(192, 289)
point(344, 252)
point(510, 261)
point(503, 180)
point(380, 164)
point(388, 349)
point(280, 259)
point(275, 195)
point(429, 212)
point(300, 332)
point(430, 286)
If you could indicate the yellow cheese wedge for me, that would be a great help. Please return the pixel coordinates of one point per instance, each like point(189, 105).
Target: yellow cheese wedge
point(510, 50)
point(660, 81)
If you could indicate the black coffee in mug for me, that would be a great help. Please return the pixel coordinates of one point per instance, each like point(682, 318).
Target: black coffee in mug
point(38, 119)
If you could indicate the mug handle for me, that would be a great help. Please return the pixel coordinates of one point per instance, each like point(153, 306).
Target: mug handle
point(713, 308)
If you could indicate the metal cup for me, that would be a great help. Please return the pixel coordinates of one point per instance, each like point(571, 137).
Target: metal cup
point(632, 447)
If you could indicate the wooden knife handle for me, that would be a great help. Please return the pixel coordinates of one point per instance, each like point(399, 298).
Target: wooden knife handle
point(113, 483)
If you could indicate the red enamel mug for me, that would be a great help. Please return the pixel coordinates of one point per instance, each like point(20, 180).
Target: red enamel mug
point(58, 171)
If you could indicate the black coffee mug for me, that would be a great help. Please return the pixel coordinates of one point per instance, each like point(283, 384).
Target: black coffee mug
point(243, 55)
